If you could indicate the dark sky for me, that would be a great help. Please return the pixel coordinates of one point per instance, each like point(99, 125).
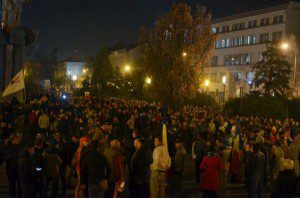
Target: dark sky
point(85, 25)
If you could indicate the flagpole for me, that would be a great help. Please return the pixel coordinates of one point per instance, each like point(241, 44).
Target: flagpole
point(25, 95)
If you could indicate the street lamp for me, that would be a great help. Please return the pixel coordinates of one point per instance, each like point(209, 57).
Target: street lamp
point(285, 46)
point(84, 71)
point(206, 85)
point(148, 80)
point(184, 54)
point(74, 77)
point(127, 68)
point(224, 86)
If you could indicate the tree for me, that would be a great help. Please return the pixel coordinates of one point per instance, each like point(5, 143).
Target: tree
point(31, 76)
point(102, 69)
point(175, 51)
point(273, 73)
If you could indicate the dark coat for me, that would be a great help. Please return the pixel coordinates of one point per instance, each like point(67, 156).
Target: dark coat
point(11, 156)
point(51, 162)
point(95, 168)
point(26, 169)
point(140, 165)
point(284, 185)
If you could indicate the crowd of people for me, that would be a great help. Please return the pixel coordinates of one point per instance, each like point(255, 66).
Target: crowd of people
point(112, 147)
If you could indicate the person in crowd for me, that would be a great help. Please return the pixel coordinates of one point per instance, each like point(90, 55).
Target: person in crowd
point(140, 170)
point(27, 172)
point(197, 154)
point(11, 152)
point(51, 165)
point(72, 147)
point(115, 160)
point(37, 157)
point(77, 160)
point(161, 163)
point(44, 123)
point(286, 182)
point(95, 172)
point(295, 149)
point(177, 167)
point(257, 165)
point(210, 166)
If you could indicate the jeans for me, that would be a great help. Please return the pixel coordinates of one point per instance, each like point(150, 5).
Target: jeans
point(256, 188)
point(95, 191)
point(140, 190)
point(209, 194)
point(54, 185)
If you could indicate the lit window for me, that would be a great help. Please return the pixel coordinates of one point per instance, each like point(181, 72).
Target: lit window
point(223, 43)
point(227, 43)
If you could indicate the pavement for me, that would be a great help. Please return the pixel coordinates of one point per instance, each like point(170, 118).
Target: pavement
point(189, 189)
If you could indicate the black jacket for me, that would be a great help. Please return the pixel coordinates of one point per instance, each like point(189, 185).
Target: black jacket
point(95, 168)
point(26, 168)
point(11, 156)
point(140, 165)
point(284, 185)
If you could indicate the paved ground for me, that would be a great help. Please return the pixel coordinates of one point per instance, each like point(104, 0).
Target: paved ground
point(189, 189)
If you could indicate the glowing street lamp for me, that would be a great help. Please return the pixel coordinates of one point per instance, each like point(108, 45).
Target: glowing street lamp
point(224, 86)
point(224, 79)
point(207, 83)
point(285, 46)
point(184, 54)
point(127, 68)
point(84, 71)
point(148, 80)
point(74, 77)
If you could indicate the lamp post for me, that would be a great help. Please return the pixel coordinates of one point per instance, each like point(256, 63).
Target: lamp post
point(148, 80)
point(285, 46)
point(206, 85)
point(127, 68)
point(224, 86)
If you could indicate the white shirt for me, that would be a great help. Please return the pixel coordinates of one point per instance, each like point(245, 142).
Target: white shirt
point(161, 159)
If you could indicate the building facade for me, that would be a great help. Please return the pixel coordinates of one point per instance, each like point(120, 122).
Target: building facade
point(242, 38)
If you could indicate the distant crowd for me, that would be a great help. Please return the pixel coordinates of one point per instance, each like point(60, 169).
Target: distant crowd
point(113, 147)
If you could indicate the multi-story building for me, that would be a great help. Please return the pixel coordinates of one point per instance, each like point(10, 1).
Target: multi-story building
point(241, 40)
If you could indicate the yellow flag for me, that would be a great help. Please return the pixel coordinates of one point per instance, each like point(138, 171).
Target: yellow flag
point(165, 136)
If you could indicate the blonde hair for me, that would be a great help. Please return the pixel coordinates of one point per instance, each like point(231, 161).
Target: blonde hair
point(288, 164)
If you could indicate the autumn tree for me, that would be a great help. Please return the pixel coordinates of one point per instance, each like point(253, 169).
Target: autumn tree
point(176, 50)
point(273, 73)
point(32, 75)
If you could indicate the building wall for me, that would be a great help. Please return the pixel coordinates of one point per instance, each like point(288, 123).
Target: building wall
point(225, 59)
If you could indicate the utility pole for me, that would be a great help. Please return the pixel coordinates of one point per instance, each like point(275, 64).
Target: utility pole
point(13, 40)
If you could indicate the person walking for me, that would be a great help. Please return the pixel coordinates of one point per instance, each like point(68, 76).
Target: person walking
point(257, 165)
point(197, 154)
point(11, 155)
point(27, 172)
point(140, 168)
point(177, 168)
point(44, 123)
point(161, 163)
point(115, 161)
point(211, 165)
point(95, 172)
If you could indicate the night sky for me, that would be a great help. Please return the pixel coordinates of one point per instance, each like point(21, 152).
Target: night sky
point(85, 25)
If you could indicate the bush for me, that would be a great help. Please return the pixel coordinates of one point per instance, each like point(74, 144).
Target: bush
point(255, 105)
point(201, 99)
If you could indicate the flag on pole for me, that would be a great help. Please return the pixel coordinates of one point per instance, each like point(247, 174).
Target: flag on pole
point(15, 85)
point(164, 131)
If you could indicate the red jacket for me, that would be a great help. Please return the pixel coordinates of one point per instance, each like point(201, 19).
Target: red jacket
point(32, 118)
point(210, 176)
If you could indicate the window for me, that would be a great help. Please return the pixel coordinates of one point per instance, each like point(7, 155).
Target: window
point(260, 56)
point(217, 44)
point(240, 40)
point(281, 19)
point(214, 61)
point(254, 23)
point(262, 22)
point(250, 76)
point(227, 43)
point(215, 30)
point(251, 39)
point(277, 36)
point(238, 76)
point(248, 58)
point(278, 19)
point(250, 24)
point(264, 38)
point(237, 59)
point(223, 43)
point(225, 28)
point(267, 21)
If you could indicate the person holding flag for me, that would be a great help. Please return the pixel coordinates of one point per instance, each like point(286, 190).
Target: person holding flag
point(161, 163)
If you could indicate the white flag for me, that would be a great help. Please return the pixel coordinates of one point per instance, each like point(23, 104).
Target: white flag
point(16, 84)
